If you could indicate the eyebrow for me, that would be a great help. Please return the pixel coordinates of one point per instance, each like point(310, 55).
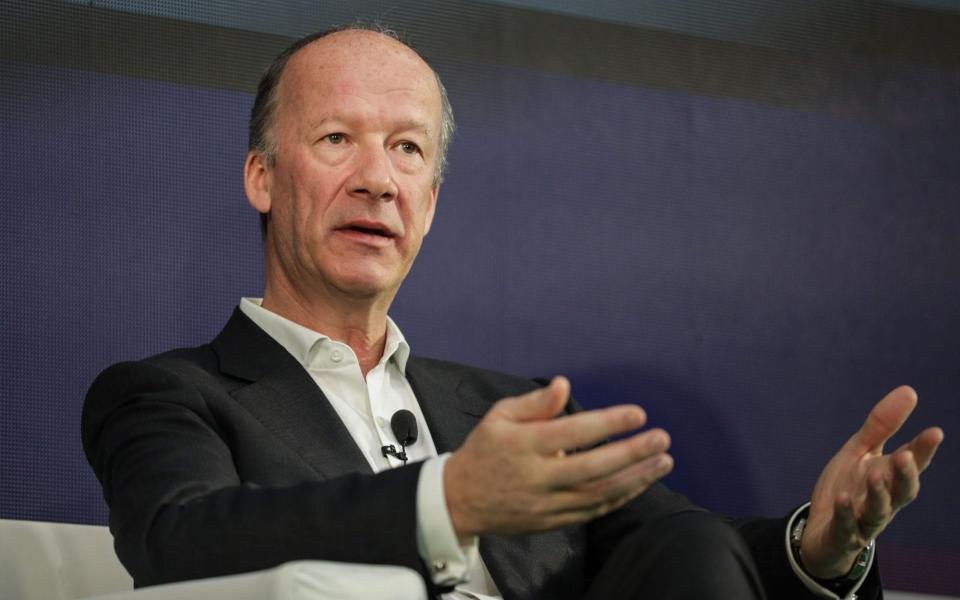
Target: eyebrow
point(413, 124)
point(403, 125)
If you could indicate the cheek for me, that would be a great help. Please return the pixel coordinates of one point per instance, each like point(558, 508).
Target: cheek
point(312, 205)
point(415, 225)
point(419, 206)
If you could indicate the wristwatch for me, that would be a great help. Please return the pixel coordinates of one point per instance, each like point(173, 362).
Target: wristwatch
point(838, 584)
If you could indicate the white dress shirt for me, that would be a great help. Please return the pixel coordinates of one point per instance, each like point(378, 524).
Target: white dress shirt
point(365, 405)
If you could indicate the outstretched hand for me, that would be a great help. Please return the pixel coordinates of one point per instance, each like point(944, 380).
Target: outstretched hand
point(513, 473)
point(861, 489)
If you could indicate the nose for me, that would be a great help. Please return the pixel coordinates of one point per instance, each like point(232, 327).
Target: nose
point(373, 177)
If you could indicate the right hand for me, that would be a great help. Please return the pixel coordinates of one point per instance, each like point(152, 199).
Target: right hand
point(512, 474)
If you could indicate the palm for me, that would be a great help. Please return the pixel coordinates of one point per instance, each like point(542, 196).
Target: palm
point(861, 489)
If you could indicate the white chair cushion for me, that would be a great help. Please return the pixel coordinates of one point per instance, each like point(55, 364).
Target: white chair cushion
point(59, 561)
point(303, 580)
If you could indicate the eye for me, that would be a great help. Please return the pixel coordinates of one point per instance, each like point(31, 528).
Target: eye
point(409, 148)
point(334, 138)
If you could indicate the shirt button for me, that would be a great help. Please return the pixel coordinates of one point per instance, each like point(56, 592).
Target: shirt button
point(438, 566)
point(382, 422)
point(336, 356)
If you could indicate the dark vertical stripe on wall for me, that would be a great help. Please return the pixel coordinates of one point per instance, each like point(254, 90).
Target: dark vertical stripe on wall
point(811, 77)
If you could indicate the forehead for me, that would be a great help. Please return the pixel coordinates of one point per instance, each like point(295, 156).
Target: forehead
point(357, 68)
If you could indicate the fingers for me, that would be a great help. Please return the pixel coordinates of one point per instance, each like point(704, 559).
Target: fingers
point(630, 481)
point(569, 432)
point(599, 496)
point(609, 459)
point(587, 428)
point(845, 529)
point(512, 473)
point(925, 445)
point(906, 479)
point(542, 403)
point(877, 507)
point(886, 418)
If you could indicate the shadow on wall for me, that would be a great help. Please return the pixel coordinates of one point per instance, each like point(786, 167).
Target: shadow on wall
point(710, 463)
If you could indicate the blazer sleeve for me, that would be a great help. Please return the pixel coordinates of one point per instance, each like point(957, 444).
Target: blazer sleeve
point(180, 510)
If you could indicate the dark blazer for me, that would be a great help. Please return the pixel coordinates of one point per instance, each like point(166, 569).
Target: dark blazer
point(227, 458)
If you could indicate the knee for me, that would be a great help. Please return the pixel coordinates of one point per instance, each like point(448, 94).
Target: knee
point(698, 535)
point(685, 555)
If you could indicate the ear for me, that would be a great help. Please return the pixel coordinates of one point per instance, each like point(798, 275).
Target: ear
point(428, 218)
point(257, 180)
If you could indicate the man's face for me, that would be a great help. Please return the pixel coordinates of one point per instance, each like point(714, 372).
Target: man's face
point(351, 193)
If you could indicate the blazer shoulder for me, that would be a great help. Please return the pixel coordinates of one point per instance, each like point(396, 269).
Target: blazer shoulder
point(189, 362)
point(182, 363)
point(180, 375)
point(176, 377)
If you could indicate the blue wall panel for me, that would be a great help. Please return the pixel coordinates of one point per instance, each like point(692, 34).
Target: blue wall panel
point(755, 277)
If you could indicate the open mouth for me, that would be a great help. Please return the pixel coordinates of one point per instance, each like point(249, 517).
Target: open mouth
point(370, 230)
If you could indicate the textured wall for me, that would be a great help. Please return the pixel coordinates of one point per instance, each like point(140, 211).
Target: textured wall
point(754, 244)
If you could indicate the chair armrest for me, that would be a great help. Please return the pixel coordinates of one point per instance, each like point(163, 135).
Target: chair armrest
point(301, 580)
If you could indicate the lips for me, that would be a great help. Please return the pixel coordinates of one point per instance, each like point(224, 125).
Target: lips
point(368, 227)
point(368, 233)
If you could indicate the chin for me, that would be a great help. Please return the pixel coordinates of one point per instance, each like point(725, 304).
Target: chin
point(365, 287)
point(367, 278)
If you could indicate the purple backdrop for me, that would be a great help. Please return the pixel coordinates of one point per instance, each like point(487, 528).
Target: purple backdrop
point(755, 277)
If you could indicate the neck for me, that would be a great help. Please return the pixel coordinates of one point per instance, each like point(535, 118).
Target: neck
point(359, 323)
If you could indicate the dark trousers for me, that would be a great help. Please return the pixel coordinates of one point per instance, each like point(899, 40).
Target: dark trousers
point(686, 556)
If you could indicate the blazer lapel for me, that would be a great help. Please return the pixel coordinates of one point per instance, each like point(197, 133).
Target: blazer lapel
point(283, 396)
point(450, 413)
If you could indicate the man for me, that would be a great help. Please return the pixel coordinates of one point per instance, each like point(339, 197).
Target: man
point(265, 445)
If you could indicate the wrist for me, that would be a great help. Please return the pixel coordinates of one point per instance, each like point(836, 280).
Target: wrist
point(462, 527)
point(446, 557)
point(839, 574)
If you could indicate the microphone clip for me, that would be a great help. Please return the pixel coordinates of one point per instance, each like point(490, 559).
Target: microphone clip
point(404, 426)
point(391, 450)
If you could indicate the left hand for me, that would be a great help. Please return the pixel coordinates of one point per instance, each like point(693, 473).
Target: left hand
point(861, 488)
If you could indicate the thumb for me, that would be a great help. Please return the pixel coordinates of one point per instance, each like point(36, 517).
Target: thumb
point(540, 404)
point(886, 418)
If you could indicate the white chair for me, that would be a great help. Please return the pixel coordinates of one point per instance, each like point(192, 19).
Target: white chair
point(60, 561)
point(888, 595)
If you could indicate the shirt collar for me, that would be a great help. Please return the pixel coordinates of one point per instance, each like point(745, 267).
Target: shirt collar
point(300, 341)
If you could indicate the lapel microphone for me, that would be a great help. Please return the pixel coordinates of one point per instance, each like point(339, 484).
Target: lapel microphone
point(404, 426)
